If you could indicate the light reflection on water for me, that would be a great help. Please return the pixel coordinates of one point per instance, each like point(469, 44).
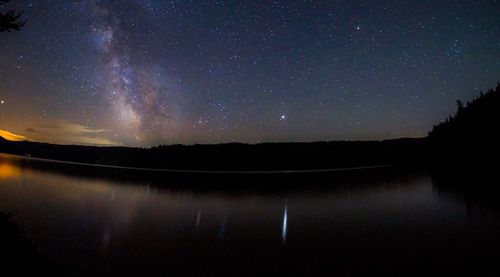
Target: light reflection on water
point(97, 225)
point(8, 171)
point(284, 227)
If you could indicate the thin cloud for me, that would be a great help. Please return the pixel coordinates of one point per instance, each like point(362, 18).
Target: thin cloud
point(65, 132)
point(31, 130)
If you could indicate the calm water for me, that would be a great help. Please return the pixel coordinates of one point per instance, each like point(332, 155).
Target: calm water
point(387, 222)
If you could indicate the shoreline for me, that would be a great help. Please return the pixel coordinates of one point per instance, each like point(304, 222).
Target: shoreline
point(166, 170)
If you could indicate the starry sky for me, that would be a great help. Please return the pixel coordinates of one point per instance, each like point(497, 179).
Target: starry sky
point(147, 72)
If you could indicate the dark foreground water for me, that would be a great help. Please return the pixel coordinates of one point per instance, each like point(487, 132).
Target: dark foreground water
point(357, 223)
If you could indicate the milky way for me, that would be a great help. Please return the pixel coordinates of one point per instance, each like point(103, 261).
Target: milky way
point(137, 92)
point(147, 72)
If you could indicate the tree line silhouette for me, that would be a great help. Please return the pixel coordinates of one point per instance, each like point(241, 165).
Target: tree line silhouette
point(231, 156)
point(471, 136)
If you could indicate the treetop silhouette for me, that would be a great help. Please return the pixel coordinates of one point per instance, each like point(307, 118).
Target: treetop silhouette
point(10, 20)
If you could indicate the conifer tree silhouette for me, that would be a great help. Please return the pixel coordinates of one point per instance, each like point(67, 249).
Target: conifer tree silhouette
point(10, 19)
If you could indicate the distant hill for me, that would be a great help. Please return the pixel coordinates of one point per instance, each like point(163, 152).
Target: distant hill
point(232, 156)
point(472, 135)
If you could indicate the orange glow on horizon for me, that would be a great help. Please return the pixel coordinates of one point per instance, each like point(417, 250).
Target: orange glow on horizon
point(11, 136)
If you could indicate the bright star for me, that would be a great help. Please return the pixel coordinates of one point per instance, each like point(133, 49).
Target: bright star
point(282, 117)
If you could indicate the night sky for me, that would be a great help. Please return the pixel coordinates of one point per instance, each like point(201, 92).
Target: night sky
point(138, 72)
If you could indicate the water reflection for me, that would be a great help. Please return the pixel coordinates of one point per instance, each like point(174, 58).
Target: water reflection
point(8, 171)
point(222, 230)
point(284, 227)
point(198, 219)
point(98, 225)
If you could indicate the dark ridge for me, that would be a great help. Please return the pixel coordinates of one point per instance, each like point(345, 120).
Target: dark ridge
point(233, 156)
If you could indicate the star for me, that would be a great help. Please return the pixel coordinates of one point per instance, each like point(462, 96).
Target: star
point(282, 117)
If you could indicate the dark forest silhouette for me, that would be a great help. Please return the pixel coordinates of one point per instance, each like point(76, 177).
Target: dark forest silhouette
point(10, 20)
point(470, 137)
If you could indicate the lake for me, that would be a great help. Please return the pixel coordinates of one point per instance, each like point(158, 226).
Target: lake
point(112, 222)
